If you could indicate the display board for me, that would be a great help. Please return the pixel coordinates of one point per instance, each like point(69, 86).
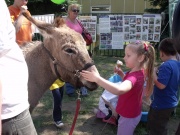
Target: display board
point(115, 30)
point(89, 23)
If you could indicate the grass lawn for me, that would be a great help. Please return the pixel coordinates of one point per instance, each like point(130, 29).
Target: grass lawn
point(87, 123)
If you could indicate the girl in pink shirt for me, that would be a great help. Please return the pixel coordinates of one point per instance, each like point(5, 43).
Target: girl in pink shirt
point(139, 58)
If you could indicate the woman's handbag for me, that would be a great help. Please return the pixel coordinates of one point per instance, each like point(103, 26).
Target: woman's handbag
point(86, 35)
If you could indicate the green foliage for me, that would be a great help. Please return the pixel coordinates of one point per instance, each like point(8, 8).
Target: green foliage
point(162, 4)
point(46, 7)
point(9, 2)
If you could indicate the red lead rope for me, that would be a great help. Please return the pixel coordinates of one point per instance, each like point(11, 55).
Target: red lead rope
point(75, 117)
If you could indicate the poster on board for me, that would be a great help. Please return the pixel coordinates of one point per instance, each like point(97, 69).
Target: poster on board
point(111, 32)
point(151, 27)
point(132, 27)
point(127, 28)
point(89, 23)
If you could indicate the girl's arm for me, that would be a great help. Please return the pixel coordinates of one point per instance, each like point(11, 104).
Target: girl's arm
point(94, 76)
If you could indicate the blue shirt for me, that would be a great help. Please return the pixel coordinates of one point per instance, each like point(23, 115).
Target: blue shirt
point(168, 75)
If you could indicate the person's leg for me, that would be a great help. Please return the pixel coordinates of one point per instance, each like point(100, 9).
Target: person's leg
point(126, 126)
point(57, 98)
point(158, 121)
point(69, 89)
point(178, 130)
point(21, 124)
point(84, 91)
point(109, 112)
point(57, 112)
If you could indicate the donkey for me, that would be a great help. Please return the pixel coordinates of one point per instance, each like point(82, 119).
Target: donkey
point(62, 54)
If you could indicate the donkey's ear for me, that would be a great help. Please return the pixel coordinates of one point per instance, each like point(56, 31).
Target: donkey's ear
point(59, 22)
point(44, 28)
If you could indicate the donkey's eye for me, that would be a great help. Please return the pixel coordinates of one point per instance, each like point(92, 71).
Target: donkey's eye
point(69, 50)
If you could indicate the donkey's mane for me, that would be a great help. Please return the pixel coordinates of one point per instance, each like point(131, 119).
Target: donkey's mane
point(28, 47)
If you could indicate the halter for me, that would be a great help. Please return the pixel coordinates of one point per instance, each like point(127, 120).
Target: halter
point(55, 63)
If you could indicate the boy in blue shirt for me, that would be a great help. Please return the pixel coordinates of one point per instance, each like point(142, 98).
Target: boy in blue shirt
point(166, 82)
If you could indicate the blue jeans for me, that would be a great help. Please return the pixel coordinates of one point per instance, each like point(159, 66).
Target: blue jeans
point(58, 97)
point(69, 88)
point(21, 124)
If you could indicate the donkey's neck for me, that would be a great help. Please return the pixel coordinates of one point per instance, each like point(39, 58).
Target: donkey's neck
point(41, 76)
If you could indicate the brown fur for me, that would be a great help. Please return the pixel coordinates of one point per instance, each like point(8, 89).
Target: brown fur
point(64, 44)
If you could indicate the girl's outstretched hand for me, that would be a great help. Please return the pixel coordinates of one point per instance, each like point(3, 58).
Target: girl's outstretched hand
point(92, 75)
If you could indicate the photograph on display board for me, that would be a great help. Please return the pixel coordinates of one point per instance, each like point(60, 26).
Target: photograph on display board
point(105, 40)
point(126, 21)
point(138, 28)
point(132, 31)
point(119, 29)
point(157, 29)
point(156, 37)
point(157, 21)
point(132, 27)
point(126, 36)
point(145, 29)
point(138, 36)
point(144, 37)
point(132, 37)
point(116, 23)
point(151, 29)
point(125, 28)
point(152, 22)
point(138, 21)
point(145, 20)
point(89, 23)
point(150, 37)
point(133, 19)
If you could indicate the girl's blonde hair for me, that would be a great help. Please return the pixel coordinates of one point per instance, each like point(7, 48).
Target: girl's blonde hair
point(144, 48)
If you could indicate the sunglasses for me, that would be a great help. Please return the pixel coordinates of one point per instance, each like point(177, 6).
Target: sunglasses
point(75, 10)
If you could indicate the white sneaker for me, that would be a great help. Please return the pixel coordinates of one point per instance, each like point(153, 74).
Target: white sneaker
point(59, 124)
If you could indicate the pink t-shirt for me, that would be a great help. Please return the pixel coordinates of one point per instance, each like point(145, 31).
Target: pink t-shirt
point(74, 26)
point(130, 104)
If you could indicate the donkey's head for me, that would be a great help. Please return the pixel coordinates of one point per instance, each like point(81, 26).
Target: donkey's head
point(68, 48)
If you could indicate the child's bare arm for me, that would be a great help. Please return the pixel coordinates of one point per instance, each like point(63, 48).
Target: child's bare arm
point(156, 82)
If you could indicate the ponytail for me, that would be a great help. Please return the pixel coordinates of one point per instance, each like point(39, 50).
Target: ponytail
point(149, 70)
